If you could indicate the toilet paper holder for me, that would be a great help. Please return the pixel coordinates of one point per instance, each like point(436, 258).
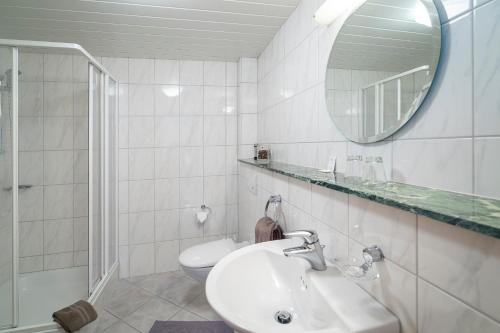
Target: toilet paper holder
point(202, 215)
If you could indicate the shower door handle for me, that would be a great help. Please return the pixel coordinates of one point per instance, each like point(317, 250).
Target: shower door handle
point(21, 187)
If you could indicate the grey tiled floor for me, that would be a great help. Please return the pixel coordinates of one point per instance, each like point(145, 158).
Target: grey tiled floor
point(133, 305)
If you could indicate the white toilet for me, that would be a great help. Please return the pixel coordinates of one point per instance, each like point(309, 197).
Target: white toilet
point(198, 260)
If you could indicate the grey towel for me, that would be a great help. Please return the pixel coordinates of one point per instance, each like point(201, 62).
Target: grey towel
point(75, 316)
point(190, 327)
point(267, 230)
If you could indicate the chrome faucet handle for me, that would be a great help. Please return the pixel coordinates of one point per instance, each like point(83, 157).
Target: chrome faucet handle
point(309, 236)
point(373, 254)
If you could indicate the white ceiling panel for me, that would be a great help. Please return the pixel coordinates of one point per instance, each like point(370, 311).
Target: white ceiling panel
point(187, 29)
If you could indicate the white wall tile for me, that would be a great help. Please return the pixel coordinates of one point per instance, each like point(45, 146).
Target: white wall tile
point(460, 262)
point(141, 132)
point(330, 207)
point(191, 100)
point(167, 131)
point(454, 8)
point(214, 189)
point(141, 100)
point(394, 230)
point(141, 195)
point(141, 164)
point(214, 131)
point(166, 194)
point(31, 65)
point(214, 100)
point(167, 254)
point(58, 167)
point(247, 71)
point(58, 68)
point(58, 133)
point(141, 227)
point(30, 242)
point(191, 72)
point(486, 166)
point(166, 225)
point(445, 164)
point(166, 71)
point(141, 71)
point(231, 74)
point(58, 201)
point(191, 131)
point(191, 192)
point(486, 69)
point(191, 161)
point(58, 236)
point(167, 162)
point(214, 73)
point(214, 161)
point(118, 67)
point(439, 312)
point(167, 100)
point(142, 259)
point(31, 99)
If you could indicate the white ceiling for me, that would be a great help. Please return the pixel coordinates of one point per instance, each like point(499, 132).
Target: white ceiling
point(175, 29)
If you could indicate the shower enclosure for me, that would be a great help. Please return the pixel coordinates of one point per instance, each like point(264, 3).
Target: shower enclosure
point(58, 180)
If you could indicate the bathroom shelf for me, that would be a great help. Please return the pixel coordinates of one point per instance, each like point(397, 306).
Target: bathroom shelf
point(470, 212)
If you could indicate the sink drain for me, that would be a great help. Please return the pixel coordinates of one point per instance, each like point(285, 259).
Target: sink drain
point(283, 317)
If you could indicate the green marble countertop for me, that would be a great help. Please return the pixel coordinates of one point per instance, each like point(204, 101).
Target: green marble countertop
point(470, 212)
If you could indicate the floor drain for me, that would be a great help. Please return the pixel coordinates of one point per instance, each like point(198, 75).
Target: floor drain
point(283, 317)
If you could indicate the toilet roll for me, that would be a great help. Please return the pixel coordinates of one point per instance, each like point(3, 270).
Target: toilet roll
point(202, 216)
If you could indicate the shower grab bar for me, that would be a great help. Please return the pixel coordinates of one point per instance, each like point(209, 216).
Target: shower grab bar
point(21, 187)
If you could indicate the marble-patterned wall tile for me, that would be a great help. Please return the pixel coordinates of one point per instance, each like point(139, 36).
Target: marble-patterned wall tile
point(30, 242)
point(58, 261)
point(214, 73)
point(142, 259)
point(396, 288)
point(394, 230)
point(58, 99)
point(58, 167)
point(58, 68)
point(141, 71)
point(58, 236)
point(166, 194)
point(191, 72)
point(141, 195)
point(167, 256)
point(445, 164)
point(58, 201)
point(486, 166)
point(167, 100)
point(141, 163)
point(166, 71)
point(486, 69)
point(141, 227)
point(439, 312)
point(331, 208)
point(141, 100)
point(460, 262)
point(166, 225)
point(30, 99)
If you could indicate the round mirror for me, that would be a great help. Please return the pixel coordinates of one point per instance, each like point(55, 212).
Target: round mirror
point(381, 67)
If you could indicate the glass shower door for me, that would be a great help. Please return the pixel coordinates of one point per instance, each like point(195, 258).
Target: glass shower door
point(8, 187)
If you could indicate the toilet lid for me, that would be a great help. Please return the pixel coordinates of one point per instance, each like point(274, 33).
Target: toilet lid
point(206, 255)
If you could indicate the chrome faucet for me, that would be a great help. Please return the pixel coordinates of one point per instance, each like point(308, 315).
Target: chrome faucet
point(311, 250)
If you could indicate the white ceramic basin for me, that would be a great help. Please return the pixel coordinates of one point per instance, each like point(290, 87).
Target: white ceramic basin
point(247, 287)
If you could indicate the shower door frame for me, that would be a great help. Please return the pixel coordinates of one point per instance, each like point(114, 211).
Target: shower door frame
point(107, 271)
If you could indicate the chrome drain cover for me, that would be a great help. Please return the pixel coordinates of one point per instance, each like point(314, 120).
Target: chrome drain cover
point(283, 317)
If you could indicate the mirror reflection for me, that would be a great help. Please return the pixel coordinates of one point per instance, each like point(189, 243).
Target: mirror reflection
point(381, 67)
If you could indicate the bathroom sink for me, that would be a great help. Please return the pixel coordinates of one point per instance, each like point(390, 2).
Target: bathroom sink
point(248, 287)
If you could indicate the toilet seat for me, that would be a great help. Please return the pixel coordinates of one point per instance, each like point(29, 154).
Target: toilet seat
point(208, 254)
